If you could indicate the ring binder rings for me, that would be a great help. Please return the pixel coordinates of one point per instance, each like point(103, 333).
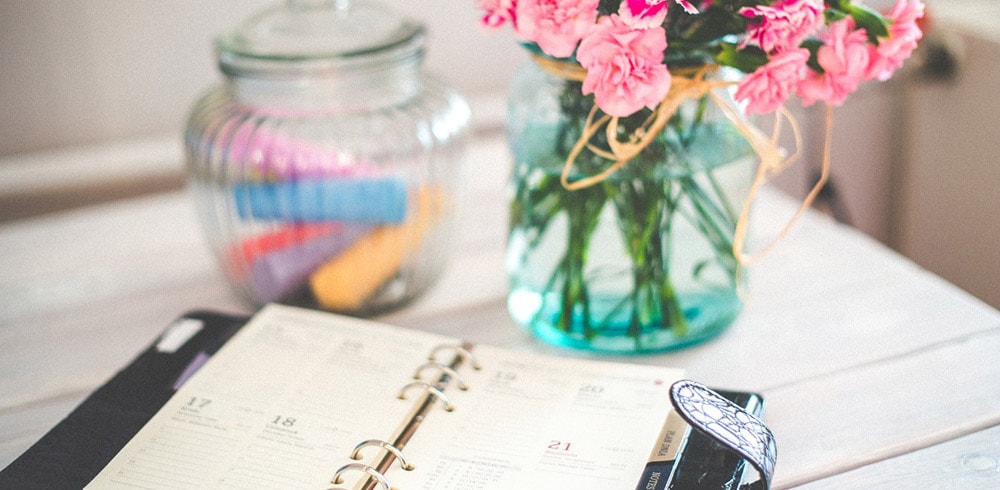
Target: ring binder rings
point(372, 472)
point(432, 393)
point(433, 390)
point(356, 454)
point(444, 369)
point(460, 351)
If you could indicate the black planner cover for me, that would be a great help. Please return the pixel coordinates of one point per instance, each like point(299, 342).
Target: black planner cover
point(71, 454)
point(75, 450)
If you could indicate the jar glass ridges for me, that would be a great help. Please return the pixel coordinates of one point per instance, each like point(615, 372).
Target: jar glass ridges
point(323, 167)
point(641, 261)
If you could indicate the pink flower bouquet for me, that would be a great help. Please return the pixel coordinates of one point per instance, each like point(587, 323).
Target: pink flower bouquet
point(819, 50)
point(626, 229)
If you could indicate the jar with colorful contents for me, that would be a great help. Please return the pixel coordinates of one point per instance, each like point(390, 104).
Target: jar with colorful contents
point(324, 166)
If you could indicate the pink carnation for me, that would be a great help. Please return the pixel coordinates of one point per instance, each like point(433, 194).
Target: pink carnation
point(844, 59)
point(555, 25)
point(688, 7)
point(904, 33)
point(497, 12)
point(643, 14)
point(767, 88)
point(783, 25)
point(625, 69)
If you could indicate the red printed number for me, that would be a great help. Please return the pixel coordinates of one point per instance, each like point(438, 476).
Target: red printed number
point(559, 445)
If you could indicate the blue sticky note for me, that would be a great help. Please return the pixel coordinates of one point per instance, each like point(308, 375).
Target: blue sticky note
point(375, 200)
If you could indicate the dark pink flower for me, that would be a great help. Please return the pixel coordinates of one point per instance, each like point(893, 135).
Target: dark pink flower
point(844, 59)
point(767, 88)
point(496, 13)
point(625, 69)
point(643, 14)
point(783, 25)
point(555, 25)
point(904, 33)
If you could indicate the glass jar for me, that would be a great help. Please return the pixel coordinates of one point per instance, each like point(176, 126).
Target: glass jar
point(641, 261)
point(324, 167)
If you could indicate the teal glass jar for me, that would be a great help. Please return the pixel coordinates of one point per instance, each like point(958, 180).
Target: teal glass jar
point(641, 261)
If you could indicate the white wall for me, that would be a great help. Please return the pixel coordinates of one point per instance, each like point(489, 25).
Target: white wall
point(950, 204)
point(83, 71)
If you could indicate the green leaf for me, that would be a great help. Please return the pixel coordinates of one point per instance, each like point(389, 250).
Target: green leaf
point(873, 22)
point(833, 15)
point(746, 60)
point(813, 46)
point(712, 25)
point(607, 7)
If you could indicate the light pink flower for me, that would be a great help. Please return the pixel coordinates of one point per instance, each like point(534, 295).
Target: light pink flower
point(643, 14)
point(625, 69)
point(844, 59)
point(555, 25)
point(783, 25)
point(904, 33)
point(767, 88)
point(496, 13)
point(688, 7)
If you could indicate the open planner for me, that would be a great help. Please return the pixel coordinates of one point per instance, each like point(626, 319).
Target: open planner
point(305, 399)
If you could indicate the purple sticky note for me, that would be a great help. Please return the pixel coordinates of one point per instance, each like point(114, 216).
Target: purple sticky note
point(265, 154)
point(199, 360)
point(276, 274)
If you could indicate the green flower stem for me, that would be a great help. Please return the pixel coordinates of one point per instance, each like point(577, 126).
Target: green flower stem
point(645, 209)
point(720, 196)
point(719, 235)
point(583, 210)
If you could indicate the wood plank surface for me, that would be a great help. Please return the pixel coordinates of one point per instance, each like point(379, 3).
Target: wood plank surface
point(970, 462)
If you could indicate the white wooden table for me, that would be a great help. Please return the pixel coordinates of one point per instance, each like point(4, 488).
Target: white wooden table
point(876, 373)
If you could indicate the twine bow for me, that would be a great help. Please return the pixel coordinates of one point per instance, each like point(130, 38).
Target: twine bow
point(692, 84)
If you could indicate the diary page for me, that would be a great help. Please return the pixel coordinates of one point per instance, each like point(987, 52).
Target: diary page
point(280, 406)
point(528, 421)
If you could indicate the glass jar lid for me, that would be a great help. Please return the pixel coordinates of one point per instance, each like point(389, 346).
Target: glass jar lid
point(305, 37)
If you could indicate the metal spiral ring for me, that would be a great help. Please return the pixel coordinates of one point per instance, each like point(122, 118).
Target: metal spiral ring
point(356, 453)
point(444, 369)
point(379, 477)
point(429, 389)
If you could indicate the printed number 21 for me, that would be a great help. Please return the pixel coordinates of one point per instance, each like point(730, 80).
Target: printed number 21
point(559, 445)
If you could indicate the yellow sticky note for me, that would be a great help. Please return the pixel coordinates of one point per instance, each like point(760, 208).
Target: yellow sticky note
point(345, 282)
